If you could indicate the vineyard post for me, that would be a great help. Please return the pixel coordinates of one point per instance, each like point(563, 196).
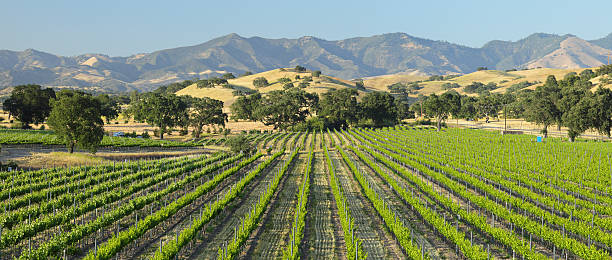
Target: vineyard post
point(356, 251)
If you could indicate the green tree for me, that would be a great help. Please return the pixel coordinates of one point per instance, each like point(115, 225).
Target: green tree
point(541, 107)
point(288, 85)
point(570, 96)
point(488, 106)
point(379, 108)
point(577, 119)
point(551, 81)
point(601, 110)
point(316, 73)
point(284, 80)
point(206, 111)
point(109, 107)
point(246, 73)
point(260, 82)
point(403, 109)
point(285, 108)
point(244, 107)
point(587, 74)
point(76, 119)
point(453, 103)
point(162, 111)
point(469, 109)
point(437, 107)
point(228, 75)
point(29, 104)
point(339, 107)
point(299, 68)
point(359, 84)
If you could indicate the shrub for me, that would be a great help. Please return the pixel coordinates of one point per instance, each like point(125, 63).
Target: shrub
point(240, 143)
point(260, 82)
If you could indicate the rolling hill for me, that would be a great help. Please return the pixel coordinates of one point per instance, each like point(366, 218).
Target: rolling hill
point(360, 57)
point(379, 83)
point(319, 85)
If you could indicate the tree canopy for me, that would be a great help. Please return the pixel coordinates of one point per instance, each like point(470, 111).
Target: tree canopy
point(285, 108)
point(244, 107)
point(29, 104)
point(162, 111)
point(378, 109)
point(206, 111)
point(339, 108)
point(76, 118)
point(109, 107)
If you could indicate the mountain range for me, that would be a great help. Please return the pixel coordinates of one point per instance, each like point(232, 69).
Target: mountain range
point(393, 53)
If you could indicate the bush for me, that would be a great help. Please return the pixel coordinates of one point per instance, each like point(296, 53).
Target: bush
point(299, 68)
point(435, 78)
point(481, 68)
point(240, 143)
point(447, 86)
point(284, 80)
point(316, 73)
point(228, 75)
point(288, 85)
point(360, 85)
point(260, 82)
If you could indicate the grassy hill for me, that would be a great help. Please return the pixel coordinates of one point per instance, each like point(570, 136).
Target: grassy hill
point(501, 78)
point(319, 85)
point(379, 83)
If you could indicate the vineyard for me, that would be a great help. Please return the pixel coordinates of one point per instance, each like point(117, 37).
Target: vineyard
point(390, 193)
point(11, 136)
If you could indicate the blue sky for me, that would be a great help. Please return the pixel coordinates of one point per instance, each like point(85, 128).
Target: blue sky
point(121, 28)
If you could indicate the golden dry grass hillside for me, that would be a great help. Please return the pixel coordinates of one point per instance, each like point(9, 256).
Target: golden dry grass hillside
point(378, 83)
point(319, 85)
point(501, 78)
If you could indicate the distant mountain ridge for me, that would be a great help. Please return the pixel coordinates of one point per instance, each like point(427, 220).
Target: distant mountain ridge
point(358, 57)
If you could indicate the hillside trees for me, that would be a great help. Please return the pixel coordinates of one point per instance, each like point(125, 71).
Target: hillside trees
point(260, 82)
point(206, 111)
point(228, 75)
point(29, 104)
point(162, 111)
point(76, 118)
point(299, 68)
point(360, 85)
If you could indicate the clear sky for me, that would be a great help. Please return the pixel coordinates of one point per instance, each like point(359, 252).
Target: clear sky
point(122, 28)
